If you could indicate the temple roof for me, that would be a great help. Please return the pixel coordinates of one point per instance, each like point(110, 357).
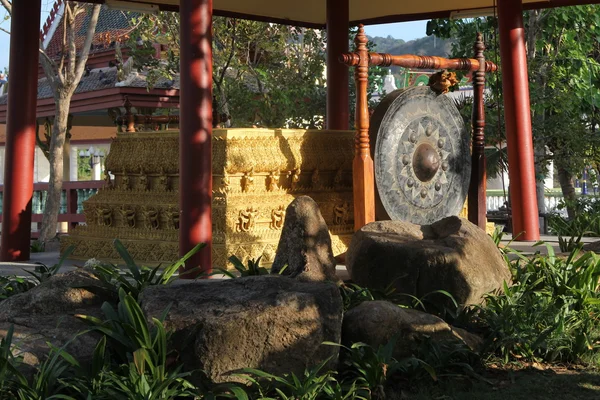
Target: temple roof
point(312, 12)
point(100, 79)
point(113, 25)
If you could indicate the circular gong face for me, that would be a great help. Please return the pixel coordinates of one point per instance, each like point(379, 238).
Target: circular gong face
point(421, 154)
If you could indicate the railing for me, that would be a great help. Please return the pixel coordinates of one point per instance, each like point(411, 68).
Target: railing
point(75, 193)
point(496, 199)
point(71, 204)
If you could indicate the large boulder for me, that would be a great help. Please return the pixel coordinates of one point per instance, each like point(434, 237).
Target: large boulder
point(47, 312)
point(305, 245)
point(377, 322)
point(452, 255)
point(272, 323)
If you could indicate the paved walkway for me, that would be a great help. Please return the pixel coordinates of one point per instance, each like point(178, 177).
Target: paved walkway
point(52, 257)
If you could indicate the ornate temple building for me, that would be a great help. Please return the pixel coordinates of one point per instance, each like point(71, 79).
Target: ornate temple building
point(256, 174)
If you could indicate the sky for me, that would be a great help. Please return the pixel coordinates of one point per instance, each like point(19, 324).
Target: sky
point(406, 31)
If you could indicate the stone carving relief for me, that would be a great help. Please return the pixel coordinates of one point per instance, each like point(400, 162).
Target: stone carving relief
point(248, 181)
point(246, 219)
point(277, 217)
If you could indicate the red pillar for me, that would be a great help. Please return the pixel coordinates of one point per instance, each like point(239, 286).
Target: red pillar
point(20, 130)
point(518, 120)
point(195, 146)
point(338, 104)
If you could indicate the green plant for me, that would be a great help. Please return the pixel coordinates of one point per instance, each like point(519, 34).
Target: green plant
point(142, 371)
point(374, 367)
point(310, 386)
point(252, 269)
point(551, 310)
point(353, 294)
point(136, 278)
point(53, 378)
point(11, 285)
point(586, 221)
point(10, 376)
point(42, 272)
point(37, 246)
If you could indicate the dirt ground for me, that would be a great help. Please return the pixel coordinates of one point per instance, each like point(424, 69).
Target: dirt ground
point(523, 382)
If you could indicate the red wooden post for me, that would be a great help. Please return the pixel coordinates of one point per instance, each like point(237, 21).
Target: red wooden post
point(20, 130)
point(71, 206)
point(477, 195)
point(362, 166)
point(338, 103)
point(519, 139)
point(195, 146)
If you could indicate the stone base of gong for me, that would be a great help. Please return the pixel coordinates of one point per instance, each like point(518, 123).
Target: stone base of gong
point(256, 174)
point(452, 254)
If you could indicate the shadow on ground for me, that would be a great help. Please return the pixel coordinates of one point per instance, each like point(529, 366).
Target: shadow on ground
point(530, 384)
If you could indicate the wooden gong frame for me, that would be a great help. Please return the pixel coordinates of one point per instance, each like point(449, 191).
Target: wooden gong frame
point(362, 165)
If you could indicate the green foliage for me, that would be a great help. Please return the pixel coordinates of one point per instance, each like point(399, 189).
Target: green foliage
point(42, 272)
point(310, 386)
point(586, 221)
point(136, 278)
point(252, 269)
point(563, 54)
point(438, 302)
point(549, 313)
point(353, 294)
point(37, 246)
point(141, 352)
point(11, 285)
point(264, 74)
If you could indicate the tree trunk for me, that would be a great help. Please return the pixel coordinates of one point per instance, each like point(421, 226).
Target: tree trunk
point(540, 153)
point(57, 144)
point(67, 160)
point(565, 178)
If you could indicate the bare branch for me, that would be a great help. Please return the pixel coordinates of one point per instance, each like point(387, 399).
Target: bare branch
point(72, 46)
point(7, 5)
point(49, 67)
point(4, 30)
point(85, 52)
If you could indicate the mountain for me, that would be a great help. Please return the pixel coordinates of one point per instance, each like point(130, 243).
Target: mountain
point(425, 46)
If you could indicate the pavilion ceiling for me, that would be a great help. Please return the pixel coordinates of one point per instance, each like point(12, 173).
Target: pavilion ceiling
point(312, 12)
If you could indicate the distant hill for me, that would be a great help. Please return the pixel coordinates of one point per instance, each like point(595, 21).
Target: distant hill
point(425, 46)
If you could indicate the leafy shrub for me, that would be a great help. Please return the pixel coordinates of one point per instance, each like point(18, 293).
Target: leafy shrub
point(136, 278)
point(11, 285)
point(585, 223)
point(252, 269)
point(42, 272)
point(551, 310)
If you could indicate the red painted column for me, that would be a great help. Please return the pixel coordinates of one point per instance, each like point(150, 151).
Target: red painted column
point(20, 130)
point(338, 103)
point(195, 146)
point(517, 108)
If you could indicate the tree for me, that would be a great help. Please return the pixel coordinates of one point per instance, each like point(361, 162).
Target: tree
point(563, 57)
point(64, 75)
point(263, 74)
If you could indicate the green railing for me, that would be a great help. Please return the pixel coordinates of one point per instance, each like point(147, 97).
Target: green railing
point(72, 198)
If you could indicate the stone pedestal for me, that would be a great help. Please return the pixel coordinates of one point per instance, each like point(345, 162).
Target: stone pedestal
point(256, 174)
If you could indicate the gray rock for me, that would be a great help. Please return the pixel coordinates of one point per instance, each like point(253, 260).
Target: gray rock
point(452, 255)
point(305, 244)
point(47, 312)
point(273, 323)
point(376, 322)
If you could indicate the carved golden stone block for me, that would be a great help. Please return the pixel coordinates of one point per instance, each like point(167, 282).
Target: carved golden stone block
point(256, 174)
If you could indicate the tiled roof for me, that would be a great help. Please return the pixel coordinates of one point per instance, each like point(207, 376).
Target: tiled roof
point(112, 25)
point(102, 79)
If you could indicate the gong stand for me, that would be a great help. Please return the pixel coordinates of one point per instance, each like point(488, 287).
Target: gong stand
point(129, 120)
point(363, 173)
